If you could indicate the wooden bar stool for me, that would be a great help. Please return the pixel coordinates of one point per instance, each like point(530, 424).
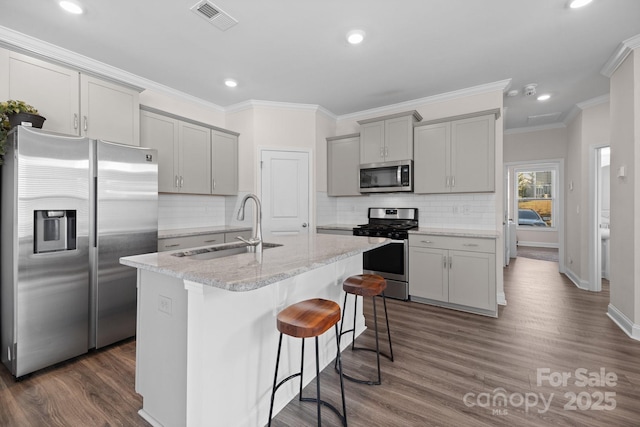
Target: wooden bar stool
point(306, 319)
point(366, 285)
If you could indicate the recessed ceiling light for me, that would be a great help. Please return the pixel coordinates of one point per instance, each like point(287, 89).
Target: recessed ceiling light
point(544, 97)
point(230, 83)
point(579, 3)
point(71, 7)
point(355, 36)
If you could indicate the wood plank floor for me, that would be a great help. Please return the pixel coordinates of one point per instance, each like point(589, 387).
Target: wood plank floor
point(441, 356)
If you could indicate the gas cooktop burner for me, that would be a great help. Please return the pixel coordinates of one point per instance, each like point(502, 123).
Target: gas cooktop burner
point(391, 223)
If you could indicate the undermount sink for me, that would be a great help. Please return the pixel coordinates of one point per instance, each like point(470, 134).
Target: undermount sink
point(220, 251)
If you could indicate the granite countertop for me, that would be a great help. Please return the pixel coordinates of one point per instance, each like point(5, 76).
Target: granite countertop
point(184, 232)
point(454, 232)
point(246, 272)
point(337, 226)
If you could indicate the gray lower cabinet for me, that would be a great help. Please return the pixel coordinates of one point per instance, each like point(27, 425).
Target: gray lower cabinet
point(343, 159)
point(454, 272)
point(186, 242)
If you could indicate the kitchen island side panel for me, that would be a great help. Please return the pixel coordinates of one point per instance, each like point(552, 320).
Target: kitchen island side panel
point(228, 359)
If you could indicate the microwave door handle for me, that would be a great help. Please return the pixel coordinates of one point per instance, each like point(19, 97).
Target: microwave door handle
point(399, 175)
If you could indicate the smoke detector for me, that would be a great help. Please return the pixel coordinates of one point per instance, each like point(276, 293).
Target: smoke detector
point(530, 89)
point(214, 15)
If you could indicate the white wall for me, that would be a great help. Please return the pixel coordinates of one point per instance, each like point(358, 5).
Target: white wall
point(625, 195)
point(535, 146)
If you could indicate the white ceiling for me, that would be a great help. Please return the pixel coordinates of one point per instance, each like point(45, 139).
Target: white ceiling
point(295, 50)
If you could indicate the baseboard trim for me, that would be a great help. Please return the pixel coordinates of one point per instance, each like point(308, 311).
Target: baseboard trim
point(501, 298)
point(581, 284)
point(623, 322)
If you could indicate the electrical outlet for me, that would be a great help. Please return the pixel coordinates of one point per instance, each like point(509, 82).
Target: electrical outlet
point(164, 304)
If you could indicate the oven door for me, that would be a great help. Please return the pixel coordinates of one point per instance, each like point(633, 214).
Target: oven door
point(390, 262)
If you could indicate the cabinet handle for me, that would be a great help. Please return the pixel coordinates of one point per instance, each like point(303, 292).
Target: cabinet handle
point(445, 262)
point(453, 181)
point(447, 179)
point(386, 151)
point(75, 121)
point(86, 124)
point(177, 182)
point(450, 262)
point(471, 245)
point(426, 241)
point(211, 241)
point(381, 151)
point(181, 181)
point(214, 184)
point(175, 245)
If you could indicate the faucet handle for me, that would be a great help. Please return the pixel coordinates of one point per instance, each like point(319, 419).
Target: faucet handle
point(250, 242)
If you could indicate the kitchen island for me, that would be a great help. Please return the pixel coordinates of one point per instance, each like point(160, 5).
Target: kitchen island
point(206, 330)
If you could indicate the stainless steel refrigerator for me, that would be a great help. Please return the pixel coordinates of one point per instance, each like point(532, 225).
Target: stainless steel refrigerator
point(71, 207)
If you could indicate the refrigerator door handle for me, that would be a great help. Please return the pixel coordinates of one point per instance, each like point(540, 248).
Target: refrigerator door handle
point(95, 210)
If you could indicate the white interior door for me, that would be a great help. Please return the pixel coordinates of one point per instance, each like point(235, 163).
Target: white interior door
point(285, 193)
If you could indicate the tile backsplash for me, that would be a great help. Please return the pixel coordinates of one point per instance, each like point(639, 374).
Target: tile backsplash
point(189, 210)
point(466, 211)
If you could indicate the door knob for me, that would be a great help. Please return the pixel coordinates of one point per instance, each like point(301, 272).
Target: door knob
point(304, 225)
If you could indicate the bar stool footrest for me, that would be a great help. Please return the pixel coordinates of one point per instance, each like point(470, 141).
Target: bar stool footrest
point(328, 405)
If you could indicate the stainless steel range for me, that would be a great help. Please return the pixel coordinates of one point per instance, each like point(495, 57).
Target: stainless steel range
point(390, 261)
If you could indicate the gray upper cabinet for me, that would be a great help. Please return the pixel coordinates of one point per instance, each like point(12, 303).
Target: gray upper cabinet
point(161, 132)
point(455, 156)
point(343, 158)
point(109, 111)
point(73, 103)
point(388, 138)
point(192, 158)
point(224, 163)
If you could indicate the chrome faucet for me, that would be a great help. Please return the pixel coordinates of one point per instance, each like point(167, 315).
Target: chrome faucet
point(256, 239)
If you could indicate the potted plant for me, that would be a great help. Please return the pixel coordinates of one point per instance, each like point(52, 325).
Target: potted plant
point(13, 113)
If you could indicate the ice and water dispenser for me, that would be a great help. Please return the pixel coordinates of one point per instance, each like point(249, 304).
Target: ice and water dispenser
point(54, 230)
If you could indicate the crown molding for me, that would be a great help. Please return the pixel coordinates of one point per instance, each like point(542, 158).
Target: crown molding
point(254, 103)
point(581, 106)
point(31, 46)
point(534, 128)
point(447, 96)
point(621, 53)
point(593, 102)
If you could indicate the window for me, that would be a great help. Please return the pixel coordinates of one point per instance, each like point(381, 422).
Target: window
point(536, 190)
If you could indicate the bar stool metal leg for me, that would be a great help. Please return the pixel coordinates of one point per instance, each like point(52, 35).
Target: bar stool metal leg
point(377, 349)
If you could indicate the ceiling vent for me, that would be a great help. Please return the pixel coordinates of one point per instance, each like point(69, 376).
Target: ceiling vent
point(214, 15)
point(543, 119)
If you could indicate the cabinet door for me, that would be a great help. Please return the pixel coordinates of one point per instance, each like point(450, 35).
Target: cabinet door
point(161, 133)
point(473, 154)
point(428, 273)
point(372, 142)
point(472, 279)
point(52, 89)
point(109, 112)
point(194, 159)
point(398, 137)
point(224, 163)
point(343, 159)
point(431, 158)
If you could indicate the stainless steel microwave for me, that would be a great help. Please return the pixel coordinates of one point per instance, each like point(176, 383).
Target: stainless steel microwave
point(386, 177)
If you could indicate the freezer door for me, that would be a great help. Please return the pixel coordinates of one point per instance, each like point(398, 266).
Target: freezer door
point(126, 214)
point(48, 292)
